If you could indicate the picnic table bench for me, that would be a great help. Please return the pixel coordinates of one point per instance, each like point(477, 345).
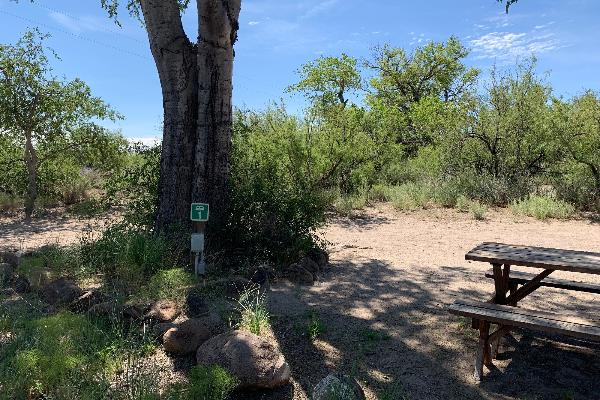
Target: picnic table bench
point(502, 308)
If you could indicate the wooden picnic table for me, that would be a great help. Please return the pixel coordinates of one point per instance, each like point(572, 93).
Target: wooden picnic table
point(501, 309)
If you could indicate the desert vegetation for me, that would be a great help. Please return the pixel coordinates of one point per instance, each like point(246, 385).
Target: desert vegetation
point(119, 314)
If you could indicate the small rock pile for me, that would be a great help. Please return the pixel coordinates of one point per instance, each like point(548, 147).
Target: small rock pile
point(307, 270)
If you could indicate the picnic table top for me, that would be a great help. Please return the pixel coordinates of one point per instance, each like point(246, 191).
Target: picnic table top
point(538, 257)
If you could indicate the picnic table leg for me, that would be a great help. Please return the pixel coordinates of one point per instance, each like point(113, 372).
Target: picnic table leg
point(483, 356)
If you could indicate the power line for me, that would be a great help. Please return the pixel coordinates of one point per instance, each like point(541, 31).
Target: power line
point(77, 36)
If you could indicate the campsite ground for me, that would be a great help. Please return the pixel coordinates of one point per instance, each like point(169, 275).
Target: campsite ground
point(379, 313)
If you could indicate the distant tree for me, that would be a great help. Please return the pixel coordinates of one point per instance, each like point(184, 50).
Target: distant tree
point(409, 85)
point(328, 80)
point(577, 123)
point(44, 116)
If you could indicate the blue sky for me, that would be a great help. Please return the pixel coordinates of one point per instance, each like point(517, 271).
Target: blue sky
point(277, 36)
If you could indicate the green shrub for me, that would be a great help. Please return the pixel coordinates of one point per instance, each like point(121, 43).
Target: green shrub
point(55, 357)
point(478, 210)
point(252, 309)
point(9, 202)
point(168, 284)
point(205, 383)
point(543, 207)
point(315, 327)
point(345, 204)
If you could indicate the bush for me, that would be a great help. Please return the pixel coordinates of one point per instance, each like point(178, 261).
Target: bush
point(478, 210)
point(9, 202)
point(408, 196)
point(543, 207)
point(205, 382)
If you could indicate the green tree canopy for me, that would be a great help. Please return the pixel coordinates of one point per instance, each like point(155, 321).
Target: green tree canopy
point(45, 116)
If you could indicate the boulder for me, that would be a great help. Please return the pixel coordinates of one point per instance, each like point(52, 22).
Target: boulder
point(196, 305)
point(319, 256)
point(105, 309)
point(186, 337)
point(21, 285)
point(163, 311)
point(132, 312)
point(61, 291)
point(159, 329)
point(236, 285)
point(298, 274)
point(308, 264)
point(87, 300)
point(338, 387)
point(10, 257)
point(254, 361)
point(6, 274)
point(40, 278)
point(262, 275)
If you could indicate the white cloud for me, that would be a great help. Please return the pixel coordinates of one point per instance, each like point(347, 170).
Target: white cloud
point(510, 45)
point(253, 23)
point(320, 7)
point(79, 24)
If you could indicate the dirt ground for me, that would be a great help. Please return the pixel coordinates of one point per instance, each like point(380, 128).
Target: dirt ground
point(380, 312)
point(383, 307)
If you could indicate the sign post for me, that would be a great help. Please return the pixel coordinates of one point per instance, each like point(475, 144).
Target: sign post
point(199, 215)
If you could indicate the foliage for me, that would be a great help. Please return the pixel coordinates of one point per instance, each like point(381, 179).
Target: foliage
point(64, 356)
point(252, 309)
point(543, 207)
point(315, 327)
point(136, 185)
point(205, 382)
point(47, 124)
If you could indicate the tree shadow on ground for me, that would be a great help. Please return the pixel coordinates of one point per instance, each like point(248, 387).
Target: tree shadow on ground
point(390, 328)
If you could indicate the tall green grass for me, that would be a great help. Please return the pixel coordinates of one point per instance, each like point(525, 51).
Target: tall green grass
point(543, 207)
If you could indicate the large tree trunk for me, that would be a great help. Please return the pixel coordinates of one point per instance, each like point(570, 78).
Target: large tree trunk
point(218, 22)
point(31, 161)
point(197, 88)
point(176, 62)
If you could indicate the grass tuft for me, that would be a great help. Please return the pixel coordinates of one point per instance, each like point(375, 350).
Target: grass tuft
point(543, 207)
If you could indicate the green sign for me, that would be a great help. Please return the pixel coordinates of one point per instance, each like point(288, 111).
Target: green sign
point(199, 212)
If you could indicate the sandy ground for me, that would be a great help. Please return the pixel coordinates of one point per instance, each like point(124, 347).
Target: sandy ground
point(56, 228)
point(381, 309)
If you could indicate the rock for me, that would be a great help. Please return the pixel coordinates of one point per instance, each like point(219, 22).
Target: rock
point(261, 276)
point(236, 285)
point(87, 300)
point(6, 274)
point(186, 337)
point(21, 285)
point(298, 274)
point(338, 387)
point(61, 291)
point(319, 256)
point(163, 311)
point(159, 329)
point(132, 312)
point(308, 264)
point(196, 305)
point(40, 278)
point(254, 361)
point(106, 309)
point(12, 258)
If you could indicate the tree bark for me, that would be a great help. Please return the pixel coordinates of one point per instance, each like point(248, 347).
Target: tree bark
point(218, 22)
point(31, 161)
point(176, 61)
point(196, 83)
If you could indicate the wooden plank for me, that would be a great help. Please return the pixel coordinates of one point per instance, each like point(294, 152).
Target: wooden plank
point(538, 320)
point(540, 257)
point(500, 290)
point(528, 288)
point(523, 277)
